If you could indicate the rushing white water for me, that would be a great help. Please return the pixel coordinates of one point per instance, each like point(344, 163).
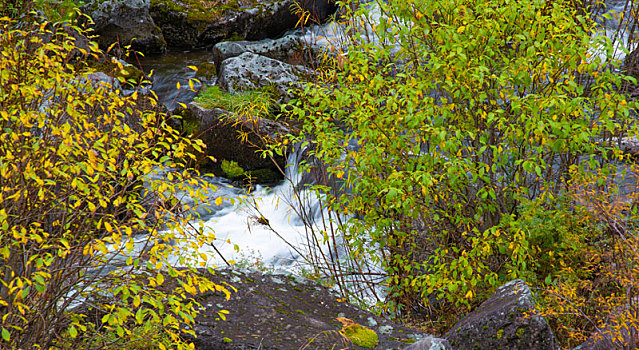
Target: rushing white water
point(258, 227)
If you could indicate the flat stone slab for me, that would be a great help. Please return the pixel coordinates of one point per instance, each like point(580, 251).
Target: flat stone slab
point(285, 312)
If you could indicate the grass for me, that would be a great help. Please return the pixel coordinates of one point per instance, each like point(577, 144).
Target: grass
point(256, 103)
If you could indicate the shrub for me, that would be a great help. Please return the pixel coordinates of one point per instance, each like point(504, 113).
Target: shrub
point(446, 117)
point(91, 234)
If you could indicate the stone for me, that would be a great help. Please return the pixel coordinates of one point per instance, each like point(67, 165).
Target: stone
point(186, 28)
point(430, 343)
point(206, 72)
point(126, 22)
point(289, 49)
point(101, 78)
point(220, 131)
point(298, 314)
point(507, 320)
point(251, 71)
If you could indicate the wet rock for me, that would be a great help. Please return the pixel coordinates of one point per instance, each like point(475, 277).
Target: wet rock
point(289, 49)
point(221, 132)
point(186, 27)
point(284, 312)
point(206, 72)
point(250, 71)
point(505, 321)
point(126, 22)
point(100, 78)
point(630, 145)
point(430, 343)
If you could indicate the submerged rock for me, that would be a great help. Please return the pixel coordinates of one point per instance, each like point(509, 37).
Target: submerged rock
point(284, 312)
point(126, 22)
point(505, 321)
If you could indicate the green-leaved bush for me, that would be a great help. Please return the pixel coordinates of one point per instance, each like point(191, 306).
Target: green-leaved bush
point(91, 236)
point(446, 117)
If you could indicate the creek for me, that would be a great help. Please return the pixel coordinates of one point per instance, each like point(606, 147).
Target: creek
point(261, 227)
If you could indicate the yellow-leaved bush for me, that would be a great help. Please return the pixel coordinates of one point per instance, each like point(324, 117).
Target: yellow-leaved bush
point(92, 228)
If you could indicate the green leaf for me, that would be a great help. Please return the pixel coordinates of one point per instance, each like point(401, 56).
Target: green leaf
point(73, 332)
point(5, 334)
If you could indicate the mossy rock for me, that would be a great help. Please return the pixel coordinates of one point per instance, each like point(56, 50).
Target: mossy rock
point(232, 169)
point(358, 334)
point(131, 75)
point(206, 71)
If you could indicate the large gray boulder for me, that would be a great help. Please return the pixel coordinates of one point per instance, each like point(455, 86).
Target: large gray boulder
point(187, 27)
point(289, 49)
point(126, 22)
point(505, 321)
point(250, 71)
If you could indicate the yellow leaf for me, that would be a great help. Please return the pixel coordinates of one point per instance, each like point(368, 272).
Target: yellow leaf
point(218, 201)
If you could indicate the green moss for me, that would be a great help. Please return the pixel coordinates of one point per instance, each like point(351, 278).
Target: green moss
point(360, 335)
point(256, 103)
point(204, 11)
point(235, 36)
point(231, 169)
point(206, 71)
point(520, 332)
point(227, 340)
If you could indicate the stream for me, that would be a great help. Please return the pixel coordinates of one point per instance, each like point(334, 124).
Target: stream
point(241, 235)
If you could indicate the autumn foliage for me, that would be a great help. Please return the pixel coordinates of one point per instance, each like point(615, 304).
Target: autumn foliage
point(91, 218)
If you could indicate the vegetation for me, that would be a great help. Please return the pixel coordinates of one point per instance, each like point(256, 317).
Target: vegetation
point(256, 103)
point(472, 142)
point(232, 169)
point(197, 10)
point(461, 144)
point(94, 250)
